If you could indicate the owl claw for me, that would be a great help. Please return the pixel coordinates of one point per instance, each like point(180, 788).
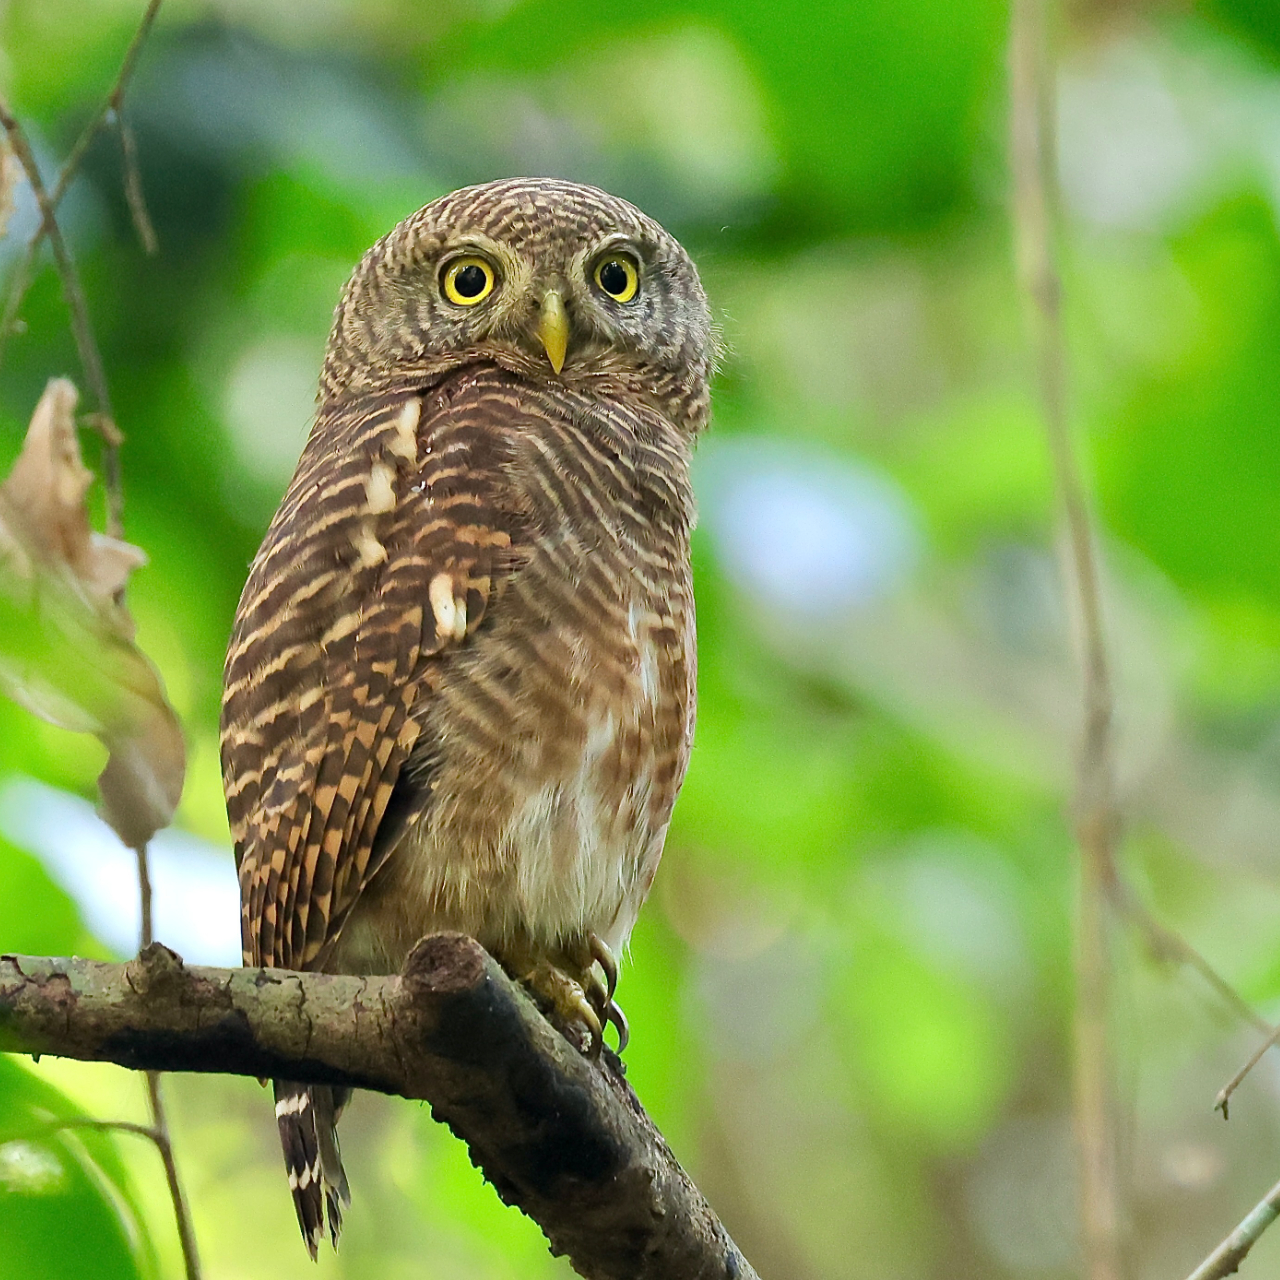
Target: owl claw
point(574, 990)
point(602, 997)
point(615, 1015)
point(601, 954)
point(596, 994)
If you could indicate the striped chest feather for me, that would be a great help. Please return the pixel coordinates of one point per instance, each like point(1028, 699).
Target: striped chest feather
point(560, 733)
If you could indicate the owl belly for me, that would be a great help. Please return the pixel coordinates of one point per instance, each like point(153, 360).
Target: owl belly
point(561, 751)
point(579, 846)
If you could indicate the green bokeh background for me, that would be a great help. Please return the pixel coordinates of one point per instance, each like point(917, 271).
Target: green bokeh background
point(851, 992)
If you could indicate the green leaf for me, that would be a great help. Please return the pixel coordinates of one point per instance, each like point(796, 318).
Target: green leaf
point(67, 1206)
point(36, 916)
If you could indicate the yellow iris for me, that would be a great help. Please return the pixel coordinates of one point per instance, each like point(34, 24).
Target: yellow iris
point(617, 276)
point(468, 281)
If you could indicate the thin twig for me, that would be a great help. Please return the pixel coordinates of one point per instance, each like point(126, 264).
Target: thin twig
point(1169, 945)
point(1096, 817)
point(145, 935)
point(159, 1119)
point(109, 112)
point(181, 1211)
point(133, 193)
point(22, 274)
point(106, 1126)
point(81, 329)
point(1221, 1102)
point(1225, 1260)
point(157, 1134)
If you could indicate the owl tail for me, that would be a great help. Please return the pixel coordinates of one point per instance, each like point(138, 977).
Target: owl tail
point(307, 1116)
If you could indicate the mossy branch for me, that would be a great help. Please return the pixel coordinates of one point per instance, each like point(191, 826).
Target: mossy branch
point(561, 1137)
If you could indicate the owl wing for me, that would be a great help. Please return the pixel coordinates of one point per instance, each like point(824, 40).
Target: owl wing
point(380, 560)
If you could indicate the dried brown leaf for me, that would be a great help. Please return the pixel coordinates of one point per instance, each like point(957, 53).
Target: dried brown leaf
point(66, 641)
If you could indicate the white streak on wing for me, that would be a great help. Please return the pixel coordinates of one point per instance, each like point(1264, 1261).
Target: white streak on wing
point(440, 594)
point(380, 492)
point(344, 626)
point(404, 443)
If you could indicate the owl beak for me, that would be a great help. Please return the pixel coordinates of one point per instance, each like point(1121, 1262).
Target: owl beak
point(553, 328)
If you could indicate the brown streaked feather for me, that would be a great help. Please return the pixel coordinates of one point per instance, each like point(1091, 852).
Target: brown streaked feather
point(326, 662)
point(460, 690)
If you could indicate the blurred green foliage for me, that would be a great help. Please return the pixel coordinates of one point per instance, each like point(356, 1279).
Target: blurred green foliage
point(851, 992)
point(67, 1206)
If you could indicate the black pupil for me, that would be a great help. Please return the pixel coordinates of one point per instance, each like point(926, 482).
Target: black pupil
point(470, 281)
point(614, 278)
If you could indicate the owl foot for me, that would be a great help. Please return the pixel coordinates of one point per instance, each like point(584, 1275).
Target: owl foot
point(583, 958)
point(568, 1001)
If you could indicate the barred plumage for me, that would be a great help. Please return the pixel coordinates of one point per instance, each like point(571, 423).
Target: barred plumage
point(460, 688)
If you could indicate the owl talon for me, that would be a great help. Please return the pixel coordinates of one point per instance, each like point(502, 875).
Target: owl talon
point(615, 1015)
point(596, 994)
point(605, 958)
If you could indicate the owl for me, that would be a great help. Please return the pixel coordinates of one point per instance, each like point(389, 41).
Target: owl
point(459, 691)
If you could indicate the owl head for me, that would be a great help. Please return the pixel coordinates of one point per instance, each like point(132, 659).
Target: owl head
point(552, 280)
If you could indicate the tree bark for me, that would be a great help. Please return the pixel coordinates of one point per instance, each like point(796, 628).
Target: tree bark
point(561, 1137)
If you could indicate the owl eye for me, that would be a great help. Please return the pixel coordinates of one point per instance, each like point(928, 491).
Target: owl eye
point(617, 276)
point(468, 281)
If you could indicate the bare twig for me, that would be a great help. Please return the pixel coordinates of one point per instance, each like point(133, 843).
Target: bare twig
point(48, 201)
point(1096, 818)
point(104, 1126)
point(1103, 890)
point(164, 1145)
point(1169, 945)
point(109, 112)
point(1225, 1260)
point(133, 193)
point(159, 1130)
point(145, 934)
point(559, 1135)
point(109, 108)
point(1220, 1103)
point(82, 330)
point(157, 1133)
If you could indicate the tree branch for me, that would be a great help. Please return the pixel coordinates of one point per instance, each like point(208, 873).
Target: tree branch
point(1225, 1260)
point(562, 1138)
point(1097, 824)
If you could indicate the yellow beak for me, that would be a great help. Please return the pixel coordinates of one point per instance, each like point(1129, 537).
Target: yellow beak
point(553, 329)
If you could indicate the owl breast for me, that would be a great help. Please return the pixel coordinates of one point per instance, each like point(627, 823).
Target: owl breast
point(559, 734)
